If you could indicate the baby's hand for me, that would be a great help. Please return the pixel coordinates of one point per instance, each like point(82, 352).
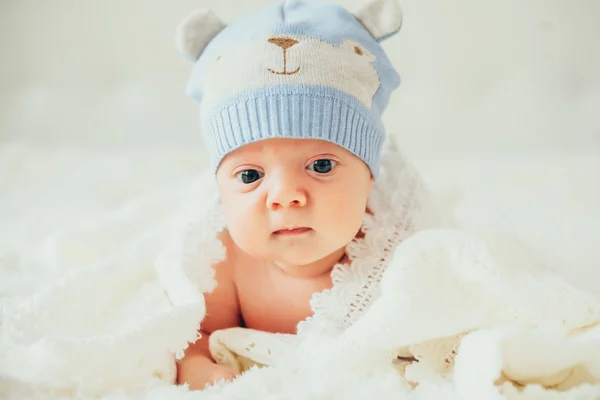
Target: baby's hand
point(209, 374)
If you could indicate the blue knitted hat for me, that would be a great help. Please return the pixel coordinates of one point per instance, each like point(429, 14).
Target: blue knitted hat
point(293, 70)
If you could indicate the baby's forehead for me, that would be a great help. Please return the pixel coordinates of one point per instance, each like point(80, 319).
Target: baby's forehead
point(289, 145)
point(277, 151)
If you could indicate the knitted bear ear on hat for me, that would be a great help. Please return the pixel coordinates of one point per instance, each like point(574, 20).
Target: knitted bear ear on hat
point(382, 18)
point(195, 31)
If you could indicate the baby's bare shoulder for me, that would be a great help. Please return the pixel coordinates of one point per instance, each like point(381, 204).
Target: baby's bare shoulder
point(231, 250)
point(222, 306)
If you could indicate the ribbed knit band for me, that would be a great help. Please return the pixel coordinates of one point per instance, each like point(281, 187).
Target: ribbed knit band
point(301, 115)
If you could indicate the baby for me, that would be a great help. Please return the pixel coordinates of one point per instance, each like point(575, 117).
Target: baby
point(292, 98)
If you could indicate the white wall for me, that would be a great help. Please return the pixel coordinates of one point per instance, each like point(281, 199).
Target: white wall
point(479, 77)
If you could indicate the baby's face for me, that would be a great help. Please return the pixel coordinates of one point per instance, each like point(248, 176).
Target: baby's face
point(293, 201)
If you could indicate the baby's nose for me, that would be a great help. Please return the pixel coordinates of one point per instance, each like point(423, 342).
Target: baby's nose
point(284, 43)
point(286, 195)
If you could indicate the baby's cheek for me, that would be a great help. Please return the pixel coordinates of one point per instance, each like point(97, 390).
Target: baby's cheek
point(344, 214)
point(244, 226)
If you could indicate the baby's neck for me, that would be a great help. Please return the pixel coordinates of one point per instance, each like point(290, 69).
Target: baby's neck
point(314, 270)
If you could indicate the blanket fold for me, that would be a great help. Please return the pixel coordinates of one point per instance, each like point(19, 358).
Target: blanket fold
point(243, 348)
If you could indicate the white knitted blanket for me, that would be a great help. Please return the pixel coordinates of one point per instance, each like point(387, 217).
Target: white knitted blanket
point(423, 311)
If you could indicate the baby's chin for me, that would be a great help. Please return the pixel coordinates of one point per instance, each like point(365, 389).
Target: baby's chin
point(306, 251)
point(317, 260)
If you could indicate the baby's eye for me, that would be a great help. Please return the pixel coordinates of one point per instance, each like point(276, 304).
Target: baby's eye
point(323, 166)
point(249, 176)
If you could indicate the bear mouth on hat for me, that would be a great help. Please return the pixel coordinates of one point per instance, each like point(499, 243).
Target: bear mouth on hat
point(284, 44)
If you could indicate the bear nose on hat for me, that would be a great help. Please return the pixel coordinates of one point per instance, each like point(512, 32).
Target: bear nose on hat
point(284, 43)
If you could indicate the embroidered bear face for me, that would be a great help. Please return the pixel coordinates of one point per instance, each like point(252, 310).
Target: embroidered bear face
point(293, 60)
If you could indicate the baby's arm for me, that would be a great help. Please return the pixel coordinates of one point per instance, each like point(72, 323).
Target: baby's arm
point(197, 367)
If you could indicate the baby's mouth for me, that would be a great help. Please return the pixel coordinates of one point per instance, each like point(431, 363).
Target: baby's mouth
point(292, 231)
